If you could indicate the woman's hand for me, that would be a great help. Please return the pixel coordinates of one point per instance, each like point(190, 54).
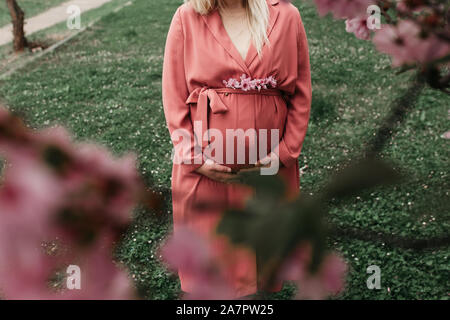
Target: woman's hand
point(217, 172)
point(270, 161)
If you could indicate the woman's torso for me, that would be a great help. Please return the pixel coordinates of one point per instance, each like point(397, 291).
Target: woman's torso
point(213, 61)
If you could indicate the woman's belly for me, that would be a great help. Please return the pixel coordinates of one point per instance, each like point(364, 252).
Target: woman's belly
point(250, 129)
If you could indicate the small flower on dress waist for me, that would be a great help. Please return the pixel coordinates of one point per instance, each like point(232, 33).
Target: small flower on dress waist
point(247, 83)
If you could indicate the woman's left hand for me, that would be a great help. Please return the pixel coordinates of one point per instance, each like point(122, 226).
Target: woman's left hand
point(270, 161)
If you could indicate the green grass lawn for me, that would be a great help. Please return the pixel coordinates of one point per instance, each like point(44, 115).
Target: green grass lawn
point(30, 7)
point(106, 86)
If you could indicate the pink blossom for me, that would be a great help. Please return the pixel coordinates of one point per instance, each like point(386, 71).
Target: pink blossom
point(101, 278)
point(56, 136)
point(46, 177)
point(358, 26)
point(333, 272)
point(24, 269)
point(186, 249)
point(296, 265)
point(211, 286)
point(327, 280)
point(343, 8)
point(29, 193)
point(405, 44)
point(446, 135)
point(189, 251)
point(272, 81)
point(409, 6)
point(247, 83)
point(231, 83)
point(244, 77)
point(120, 174)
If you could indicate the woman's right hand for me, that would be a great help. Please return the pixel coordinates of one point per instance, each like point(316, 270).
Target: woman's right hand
point(217, 172)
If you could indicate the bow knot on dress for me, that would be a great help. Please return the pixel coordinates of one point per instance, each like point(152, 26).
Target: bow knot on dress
point(206, 97)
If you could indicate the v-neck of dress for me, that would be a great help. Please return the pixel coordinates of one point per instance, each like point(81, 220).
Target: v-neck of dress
point(223, 37)
point(244, 59)
point(215, 25)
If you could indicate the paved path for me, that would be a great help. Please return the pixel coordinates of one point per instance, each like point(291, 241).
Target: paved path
point(50, 18)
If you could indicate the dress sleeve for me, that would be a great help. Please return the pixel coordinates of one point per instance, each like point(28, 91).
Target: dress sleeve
point(299, 104)
point(174, 96)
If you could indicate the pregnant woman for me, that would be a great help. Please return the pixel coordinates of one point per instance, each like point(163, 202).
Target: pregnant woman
point(233, 67)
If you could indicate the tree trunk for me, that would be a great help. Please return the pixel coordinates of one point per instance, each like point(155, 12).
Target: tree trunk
point(18, 17)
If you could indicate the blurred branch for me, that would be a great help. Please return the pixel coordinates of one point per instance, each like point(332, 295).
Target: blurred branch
point(396, 116)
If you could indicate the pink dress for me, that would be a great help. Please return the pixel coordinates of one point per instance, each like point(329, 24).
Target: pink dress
point(206, 82)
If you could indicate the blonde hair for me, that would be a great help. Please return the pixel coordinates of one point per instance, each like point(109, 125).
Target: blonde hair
point(257, 13)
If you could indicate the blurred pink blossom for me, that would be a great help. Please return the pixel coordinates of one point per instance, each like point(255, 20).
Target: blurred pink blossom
point(296, 265)
point(121, 176)
point(343, 8)
point(446, 135)
point(24, 269)
point(101, 278)
point(332, 273)
point(328, 280)
point(358, 26)
point(189, 251)
point(410, 6)
point(186, 249)
point(406, 45)
point(28, 193)
point(77, 196)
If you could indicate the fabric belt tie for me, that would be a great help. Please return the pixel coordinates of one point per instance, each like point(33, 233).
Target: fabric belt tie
point(206, 97)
